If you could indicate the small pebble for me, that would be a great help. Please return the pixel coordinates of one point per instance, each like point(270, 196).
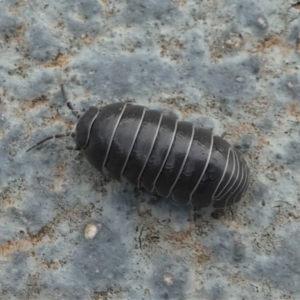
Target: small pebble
point(239, 79)
point(168, 279)
point(262, 22)
point(90, 231)
point(235, 41)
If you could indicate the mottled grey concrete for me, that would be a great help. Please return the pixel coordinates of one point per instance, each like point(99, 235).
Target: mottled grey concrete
point(226, 65)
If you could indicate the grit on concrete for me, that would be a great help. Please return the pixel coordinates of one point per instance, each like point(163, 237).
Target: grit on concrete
point(66, 232)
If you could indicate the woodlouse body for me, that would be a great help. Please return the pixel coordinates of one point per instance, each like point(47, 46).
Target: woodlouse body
point(162, 154)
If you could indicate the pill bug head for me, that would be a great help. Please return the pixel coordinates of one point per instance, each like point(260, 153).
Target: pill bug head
point(83, 127)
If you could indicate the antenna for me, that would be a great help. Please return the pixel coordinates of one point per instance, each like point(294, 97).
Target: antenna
point(69, 104)
point(56, 136)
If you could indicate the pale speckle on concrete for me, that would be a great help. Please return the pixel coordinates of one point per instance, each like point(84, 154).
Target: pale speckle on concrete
point(168, 279)
point(91, 230)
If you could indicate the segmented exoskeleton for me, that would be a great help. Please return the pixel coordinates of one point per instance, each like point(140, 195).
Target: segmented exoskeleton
point(162, 154)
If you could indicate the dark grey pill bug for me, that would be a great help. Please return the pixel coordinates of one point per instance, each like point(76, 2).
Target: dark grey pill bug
point(162, 154)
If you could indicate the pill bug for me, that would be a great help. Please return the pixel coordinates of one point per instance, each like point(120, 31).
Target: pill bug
point(160, 154)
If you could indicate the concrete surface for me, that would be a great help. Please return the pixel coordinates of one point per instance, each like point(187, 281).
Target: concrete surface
point(66, 232)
